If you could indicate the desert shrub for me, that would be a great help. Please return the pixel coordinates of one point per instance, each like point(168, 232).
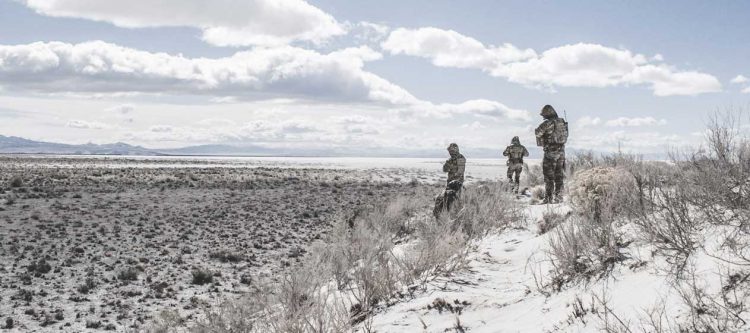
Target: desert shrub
point(550, 220)
point(581, 160)
point(15, 181)
point(584, 160)
point(229, 316)
point(88, 285)
point(202, 276)
point(128, 274)
point(671, 225)
point(40, 267)
point(711, 309)
point(720, 176)
point(602, 193)
point(582, 248)
point(649, 177)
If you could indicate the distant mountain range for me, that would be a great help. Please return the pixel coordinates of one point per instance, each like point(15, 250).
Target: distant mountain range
point(17, 145)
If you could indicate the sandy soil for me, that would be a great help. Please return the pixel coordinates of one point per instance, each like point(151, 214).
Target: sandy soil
point(103, 247)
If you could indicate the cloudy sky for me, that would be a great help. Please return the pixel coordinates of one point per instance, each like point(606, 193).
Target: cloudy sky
point(385, 75)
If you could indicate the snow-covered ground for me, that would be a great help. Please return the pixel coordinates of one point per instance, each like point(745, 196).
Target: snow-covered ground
point(503, 291)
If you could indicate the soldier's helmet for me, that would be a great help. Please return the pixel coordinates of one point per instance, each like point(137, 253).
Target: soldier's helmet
point(453, 148)
point(548, 112)
point(454, 185)
point(515, 141)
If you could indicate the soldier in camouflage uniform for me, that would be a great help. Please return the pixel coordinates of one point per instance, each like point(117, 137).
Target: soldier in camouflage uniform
point(552, 134)
point(515, 153)
point(455, 165)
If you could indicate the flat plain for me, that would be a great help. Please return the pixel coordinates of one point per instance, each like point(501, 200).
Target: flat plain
point(108, 244)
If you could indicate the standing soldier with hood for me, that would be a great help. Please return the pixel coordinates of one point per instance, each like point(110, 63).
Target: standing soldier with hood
point(455, 167)
point(552, 134)
point(515, 153)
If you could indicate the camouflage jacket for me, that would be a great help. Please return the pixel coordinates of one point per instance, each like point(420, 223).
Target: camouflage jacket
point(455, 167)
point(515, 153)
point(542, 136)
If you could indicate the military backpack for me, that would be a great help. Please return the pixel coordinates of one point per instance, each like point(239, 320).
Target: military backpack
point(515, 152)
point(559, 134)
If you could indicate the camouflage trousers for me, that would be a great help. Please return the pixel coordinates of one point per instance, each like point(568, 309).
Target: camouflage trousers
point(553, 168)
point(514, 175)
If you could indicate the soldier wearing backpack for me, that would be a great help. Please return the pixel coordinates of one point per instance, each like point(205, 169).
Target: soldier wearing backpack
point(515, 153)
point(552, 134)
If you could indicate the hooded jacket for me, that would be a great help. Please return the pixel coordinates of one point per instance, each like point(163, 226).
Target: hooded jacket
point(546, 128)
point(456, 165)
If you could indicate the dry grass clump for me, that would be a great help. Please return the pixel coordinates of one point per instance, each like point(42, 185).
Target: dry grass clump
point(128, 274)
point(550, 220)
point(15, 181)
point(582, 248)
point(486, 207)
point(202, 276)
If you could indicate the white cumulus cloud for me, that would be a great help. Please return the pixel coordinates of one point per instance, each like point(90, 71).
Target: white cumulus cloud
point(739, 79)
point(479, 107)
point(575, 65)
point(97, 67)
point(83, 124)
point(222, 22)
point(635, 122)
point(447, 48)
point(281, 73)
point(588, 121)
